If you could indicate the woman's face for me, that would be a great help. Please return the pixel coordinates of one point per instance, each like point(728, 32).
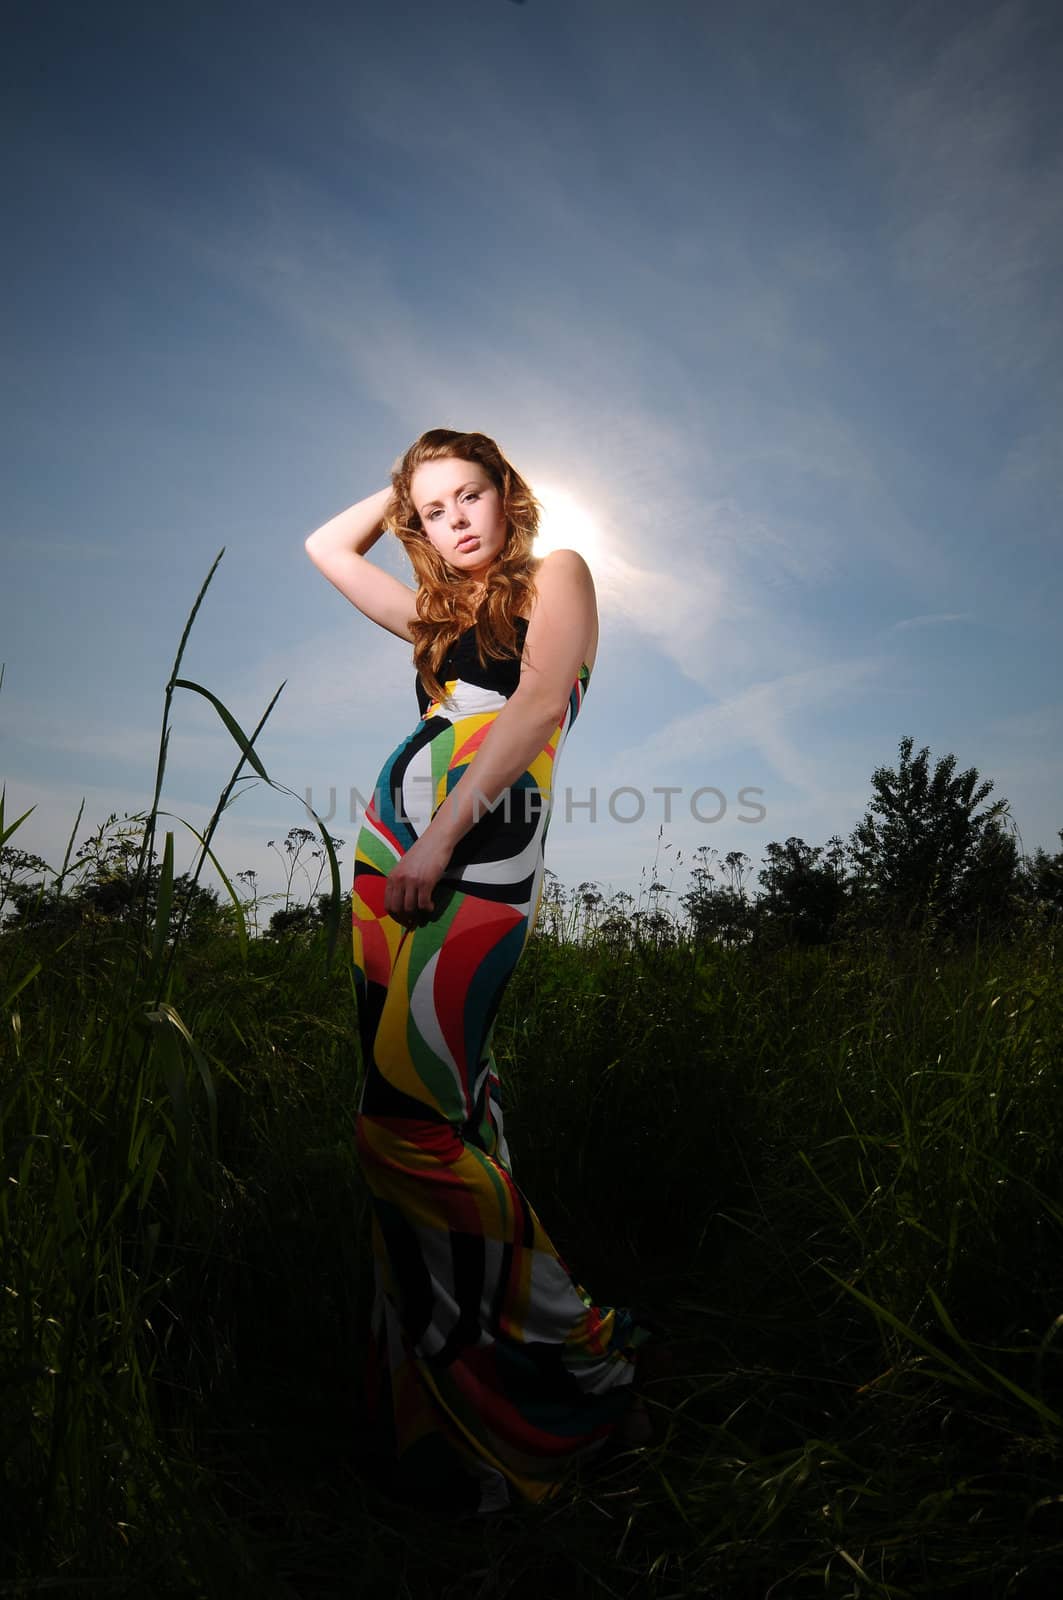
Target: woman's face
point(461, 513)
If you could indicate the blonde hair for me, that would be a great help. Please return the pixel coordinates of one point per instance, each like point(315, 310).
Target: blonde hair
point(445, 604)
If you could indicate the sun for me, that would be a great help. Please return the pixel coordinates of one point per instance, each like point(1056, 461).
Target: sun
point(565, 525)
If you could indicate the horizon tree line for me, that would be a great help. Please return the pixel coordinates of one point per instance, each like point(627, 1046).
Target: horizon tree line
point(929, 853)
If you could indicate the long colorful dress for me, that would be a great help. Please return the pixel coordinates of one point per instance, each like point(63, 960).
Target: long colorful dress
point(489, 1367)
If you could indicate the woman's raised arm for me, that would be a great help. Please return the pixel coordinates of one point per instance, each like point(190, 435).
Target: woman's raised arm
point(338, 549)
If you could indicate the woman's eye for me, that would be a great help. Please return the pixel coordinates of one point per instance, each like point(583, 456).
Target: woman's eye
point(472, 495)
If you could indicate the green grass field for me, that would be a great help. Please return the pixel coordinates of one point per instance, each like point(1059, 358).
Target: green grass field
point(834, 1176)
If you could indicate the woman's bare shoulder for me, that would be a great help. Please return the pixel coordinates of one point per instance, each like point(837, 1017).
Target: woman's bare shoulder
point(565, 571)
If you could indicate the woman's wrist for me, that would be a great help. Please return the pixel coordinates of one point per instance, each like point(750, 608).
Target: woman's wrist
point(375, 506)
point(356, 529)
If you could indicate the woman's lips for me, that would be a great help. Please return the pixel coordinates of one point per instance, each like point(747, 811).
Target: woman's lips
point(463, 544)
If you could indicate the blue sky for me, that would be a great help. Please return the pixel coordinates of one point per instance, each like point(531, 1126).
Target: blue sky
point(761, 298)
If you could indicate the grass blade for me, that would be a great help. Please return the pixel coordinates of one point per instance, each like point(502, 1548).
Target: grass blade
point(6, 832)
point(241, 923)
point(1042, 1410)
point(230, 722)
point(162, 910)
point(908, 1332)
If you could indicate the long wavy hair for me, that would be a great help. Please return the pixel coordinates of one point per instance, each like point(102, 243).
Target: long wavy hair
point(445, 600)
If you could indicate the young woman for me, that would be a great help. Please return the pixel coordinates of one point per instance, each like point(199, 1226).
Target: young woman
point(489, 1367)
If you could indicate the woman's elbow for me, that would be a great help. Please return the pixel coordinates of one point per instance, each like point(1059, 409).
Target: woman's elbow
point(542, 706)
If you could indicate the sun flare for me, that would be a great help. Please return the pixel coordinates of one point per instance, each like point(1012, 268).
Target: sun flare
point(565, 525)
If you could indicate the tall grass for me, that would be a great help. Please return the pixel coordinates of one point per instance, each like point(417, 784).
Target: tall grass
point(833, 1174)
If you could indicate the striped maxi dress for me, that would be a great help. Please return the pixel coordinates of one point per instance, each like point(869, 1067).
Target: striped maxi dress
point(490, 1369)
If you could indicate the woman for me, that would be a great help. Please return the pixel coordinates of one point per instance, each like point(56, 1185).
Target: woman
point(490, 1367)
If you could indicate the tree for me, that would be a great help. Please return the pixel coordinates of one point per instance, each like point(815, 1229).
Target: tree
point(323, 908)
point(719, 911)
point(923, 843)
point(990, 891)
point(16, 888)
point(289, 919)
point(804, 895)
point(1044, 882)
point(106, 892)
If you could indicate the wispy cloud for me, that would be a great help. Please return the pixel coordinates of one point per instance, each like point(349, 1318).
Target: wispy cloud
point(1041, 726)
point(351, 682)
point(38, 727)
point(930, 619)
point(765, 718)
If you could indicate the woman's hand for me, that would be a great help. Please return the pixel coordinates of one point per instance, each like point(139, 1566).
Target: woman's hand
point(408, 890)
